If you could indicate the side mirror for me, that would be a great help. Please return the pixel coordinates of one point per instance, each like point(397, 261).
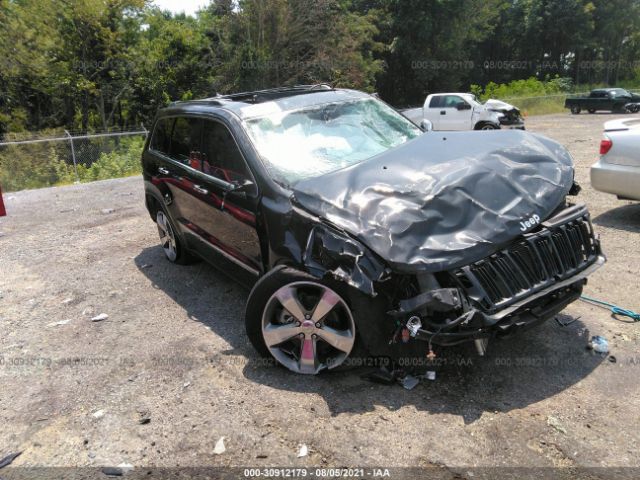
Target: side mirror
point(463, 106)
point(240, 187)
point(426, 125)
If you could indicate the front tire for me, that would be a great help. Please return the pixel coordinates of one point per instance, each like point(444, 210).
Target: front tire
point(486, 126)
point(592, 111)
point(305, 324)
point(575, 110)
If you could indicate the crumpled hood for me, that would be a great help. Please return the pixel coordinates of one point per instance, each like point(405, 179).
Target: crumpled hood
point(499, 105)
point(441, 201)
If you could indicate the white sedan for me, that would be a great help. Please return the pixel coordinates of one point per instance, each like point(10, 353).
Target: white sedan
point(618, 170)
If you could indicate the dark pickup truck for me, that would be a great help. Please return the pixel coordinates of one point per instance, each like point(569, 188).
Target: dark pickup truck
point(609, 99)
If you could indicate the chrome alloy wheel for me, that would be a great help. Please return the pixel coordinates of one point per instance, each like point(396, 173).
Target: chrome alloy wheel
point(308, 327)
point(167, 236)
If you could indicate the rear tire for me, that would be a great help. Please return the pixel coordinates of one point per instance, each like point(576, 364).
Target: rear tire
point(592, 111)
point(170, 241)
point(575, 110)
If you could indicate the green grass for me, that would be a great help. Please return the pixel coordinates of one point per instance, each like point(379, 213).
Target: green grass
point(40, 165)
point(539, 106)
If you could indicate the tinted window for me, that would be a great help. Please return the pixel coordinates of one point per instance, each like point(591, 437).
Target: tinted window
point(221, 156)
point(436, 102)
point(185, 141)
point(450, 101)
point(162, 135)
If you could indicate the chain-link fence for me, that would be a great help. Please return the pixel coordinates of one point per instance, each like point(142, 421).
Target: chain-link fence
point(55, 158)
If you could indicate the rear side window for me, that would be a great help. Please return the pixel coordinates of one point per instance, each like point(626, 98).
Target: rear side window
point(436, 102)
point(186, 139)
point(161, 138)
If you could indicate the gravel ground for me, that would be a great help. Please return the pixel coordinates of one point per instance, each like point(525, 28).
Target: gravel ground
point(170, 370)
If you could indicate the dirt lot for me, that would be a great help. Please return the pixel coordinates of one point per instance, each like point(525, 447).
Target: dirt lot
point(171, 370)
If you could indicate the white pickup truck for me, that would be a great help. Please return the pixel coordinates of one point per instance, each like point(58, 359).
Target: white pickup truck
point(462, 111)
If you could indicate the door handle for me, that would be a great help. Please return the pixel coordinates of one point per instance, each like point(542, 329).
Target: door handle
point(201, 190)
point(163, 171)
point(443, 112)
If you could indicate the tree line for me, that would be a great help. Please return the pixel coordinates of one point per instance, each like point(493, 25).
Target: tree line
point(104, 64)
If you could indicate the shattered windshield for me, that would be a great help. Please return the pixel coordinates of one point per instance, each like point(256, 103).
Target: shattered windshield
point(306, 143)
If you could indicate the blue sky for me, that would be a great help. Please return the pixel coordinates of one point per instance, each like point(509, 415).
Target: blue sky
point(176, 6)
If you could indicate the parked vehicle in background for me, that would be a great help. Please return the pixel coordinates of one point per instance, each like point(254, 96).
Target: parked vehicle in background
point(462, 111)
point(618, 170)
point(361, 233)
point(607, 99)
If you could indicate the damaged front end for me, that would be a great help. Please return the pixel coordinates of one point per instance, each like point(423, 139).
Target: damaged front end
point(519, 286)
point(511, 116)
point(453, 244)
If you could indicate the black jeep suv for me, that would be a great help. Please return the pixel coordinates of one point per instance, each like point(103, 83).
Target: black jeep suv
point(358, 229)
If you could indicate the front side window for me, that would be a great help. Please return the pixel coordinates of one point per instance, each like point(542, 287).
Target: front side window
point(221, 157)
point(312, 141)
point(451, 101)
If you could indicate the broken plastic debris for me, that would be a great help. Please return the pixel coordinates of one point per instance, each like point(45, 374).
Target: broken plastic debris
point(107, 210)
point(219, 449)
point(112, 471)
point(304, 451)
point(8, 459)
point(98, 414)
point(125, 467)
point(99, 318)
point(430, 375)
point(409, 382)
point(144, 417)
point(599, 344)
point(555, 423)
point(382, 376)
point(61, 322)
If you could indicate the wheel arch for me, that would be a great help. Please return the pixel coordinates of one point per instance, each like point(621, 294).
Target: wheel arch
point(483, 123)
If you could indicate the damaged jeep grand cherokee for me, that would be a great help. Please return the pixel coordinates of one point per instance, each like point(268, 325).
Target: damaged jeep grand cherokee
point(360, 232)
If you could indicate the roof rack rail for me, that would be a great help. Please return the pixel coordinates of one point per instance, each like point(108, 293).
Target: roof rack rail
point(274, 93)
point(208, 101)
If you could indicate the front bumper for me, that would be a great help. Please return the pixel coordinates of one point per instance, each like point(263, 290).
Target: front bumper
point(621, 180)
point(525, 283)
